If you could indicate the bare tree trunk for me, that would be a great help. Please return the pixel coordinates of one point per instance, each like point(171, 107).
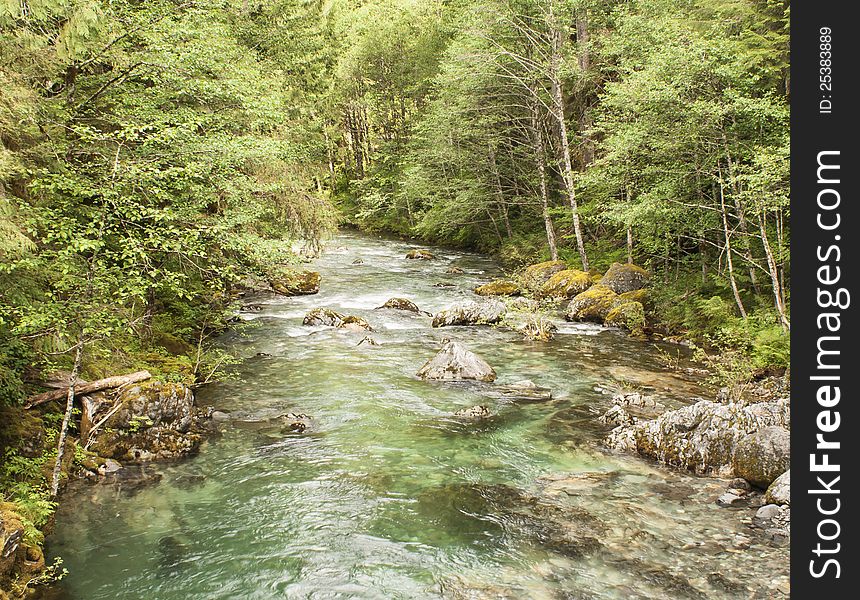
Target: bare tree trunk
point(564, 142)
point(67, 416)
point(500, 196)
point(541, 167)
point(584, 62)
point(729, 261)
point(774, 274)
point(629, 231)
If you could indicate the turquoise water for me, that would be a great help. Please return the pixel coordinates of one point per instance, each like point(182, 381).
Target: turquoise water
point(386, 494)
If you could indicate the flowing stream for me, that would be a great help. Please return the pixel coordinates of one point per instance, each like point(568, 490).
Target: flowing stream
point(386, 494)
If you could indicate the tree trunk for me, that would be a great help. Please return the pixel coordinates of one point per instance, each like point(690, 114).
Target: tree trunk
point(88, 388)
point(564, 142)
point(500, 196)
point(774, 275)
point(540, 161)
point(67, 416)
point(729, 261)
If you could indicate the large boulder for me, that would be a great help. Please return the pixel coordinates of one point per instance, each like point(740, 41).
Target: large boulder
point(701, 437)
point(148, 421)
point(471, 313)
point(535, 276)
point(453, 362)
point(763, 456)
point(295, 283)
point(594, 304)
point(500, 287)
point(779, 491)
point(566, 284)
point(420, 255)
point(621, 278)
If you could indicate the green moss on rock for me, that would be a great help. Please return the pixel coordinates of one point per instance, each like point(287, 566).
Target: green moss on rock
point(500, 287)
point(621, 278)
point(594, 304)
point(295, 283)
point(627, 315)
point(535, 276)
point(566, 284)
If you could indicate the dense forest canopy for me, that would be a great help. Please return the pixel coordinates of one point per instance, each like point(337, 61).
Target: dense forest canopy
point(153, 153)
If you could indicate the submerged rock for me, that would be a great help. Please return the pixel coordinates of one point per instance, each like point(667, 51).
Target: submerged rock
point(420, 255)
point(500, 287)
point(701, 437)
point(147, 421)
point(763, 456)
point(401, 304)
point(539, 328)
point(535, 276)
point(454, 361)
point(525, 391)
point(566, 284)
point(474, 412)
point(454, 271)
point(295, 283)
point(621, 278)
point(471, 313)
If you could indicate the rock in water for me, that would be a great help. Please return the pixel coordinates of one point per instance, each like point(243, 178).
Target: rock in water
point(152, 421)
point(625, 278)
point(401, 304)
point(455, 271)
point(500, 287)
point(594, 304)
point(471, 313)
point(779, 491)
point(295, 283)
point(701, 437)
point(354, 323)
point(763, 456)
point(420, 255)
point(453, 362)
point(323, 316)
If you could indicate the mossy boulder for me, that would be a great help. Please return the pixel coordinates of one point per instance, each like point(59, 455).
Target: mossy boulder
point(535, 276)
point(148, 421)
point(295, 283)
point(500, 287)
point(642, 296)
point(594, 304)
point(401, 304)
point(627, 315)
point(11, 543)
point(323, 316)
point(566, 284)
point(420, 255)
point(621, 278)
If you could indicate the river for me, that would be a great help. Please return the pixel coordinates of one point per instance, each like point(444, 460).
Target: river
point(387, 495)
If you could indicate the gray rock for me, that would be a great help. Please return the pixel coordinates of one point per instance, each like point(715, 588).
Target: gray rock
point(763, 456)
point(729, 499)
point(220, 415)
point(765, 514)
point(401, 304)
point(701, 437)
point(779, 491)
point(454, 361)
point(471, 313)
point(616, 416)
point(323, 316)
point(110, 466)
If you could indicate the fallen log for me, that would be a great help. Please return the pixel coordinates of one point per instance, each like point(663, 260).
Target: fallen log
point(82, 390)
